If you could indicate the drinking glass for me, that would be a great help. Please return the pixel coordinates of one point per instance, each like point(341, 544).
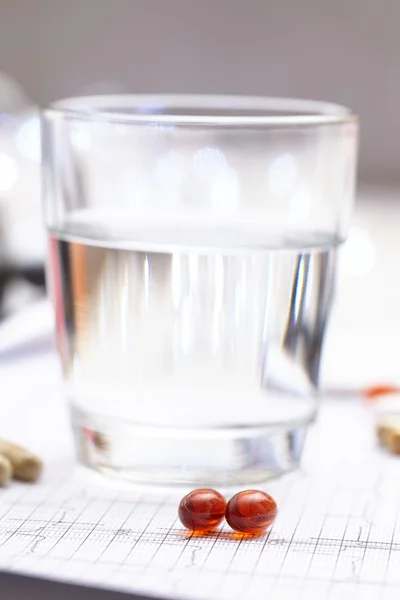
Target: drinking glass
point(192, 244)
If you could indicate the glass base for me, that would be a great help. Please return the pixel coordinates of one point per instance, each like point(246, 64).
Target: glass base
point(195, 457)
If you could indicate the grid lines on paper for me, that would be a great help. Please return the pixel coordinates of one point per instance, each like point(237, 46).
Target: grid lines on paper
point(328, 538)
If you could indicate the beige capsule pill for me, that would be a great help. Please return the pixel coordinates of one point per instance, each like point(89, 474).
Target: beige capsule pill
point(5, 470)
point(25, 465)
point(388, 432)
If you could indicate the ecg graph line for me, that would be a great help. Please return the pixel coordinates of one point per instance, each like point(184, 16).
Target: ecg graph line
point(117, 548)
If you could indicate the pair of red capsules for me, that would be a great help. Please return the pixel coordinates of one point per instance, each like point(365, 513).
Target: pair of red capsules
point(250, 512)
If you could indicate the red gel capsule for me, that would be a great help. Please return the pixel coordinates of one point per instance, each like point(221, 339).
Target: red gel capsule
point(251, 511)
point(202, 509)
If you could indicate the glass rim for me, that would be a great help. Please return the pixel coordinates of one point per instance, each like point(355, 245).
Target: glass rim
point(201, 109)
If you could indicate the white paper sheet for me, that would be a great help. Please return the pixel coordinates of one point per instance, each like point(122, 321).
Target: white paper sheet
point(337, 535)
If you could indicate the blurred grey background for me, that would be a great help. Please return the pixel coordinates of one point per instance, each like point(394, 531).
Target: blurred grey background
point(343, 51)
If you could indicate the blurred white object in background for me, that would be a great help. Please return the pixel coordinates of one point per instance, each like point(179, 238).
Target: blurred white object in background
point(20, 205)
point(22, 247)
point(28, 139)
point(358, 255)
point(363, 343)
point(8, 173)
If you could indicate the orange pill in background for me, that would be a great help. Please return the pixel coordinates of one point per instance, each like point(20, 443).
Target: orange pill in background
point(375, 391)
point(251, 511)
point(202, 509)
